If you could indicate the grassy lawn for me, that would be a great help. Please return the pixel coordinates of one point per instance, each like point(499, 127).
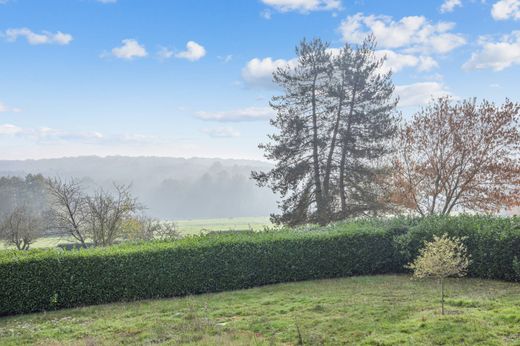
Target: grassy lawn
point(377, 310)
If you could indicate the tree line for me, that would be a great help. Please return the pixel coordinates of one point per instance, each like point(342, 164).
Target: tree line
point(342, 150)
point(36, 206)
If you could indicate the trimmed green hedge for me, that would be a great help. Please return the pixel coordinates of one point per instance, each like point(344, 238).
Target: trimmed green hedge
point(39, 280)
point(43, 280)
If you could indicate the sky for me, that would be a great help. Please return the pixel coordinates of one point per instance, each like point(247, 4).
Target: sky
point(193, 78)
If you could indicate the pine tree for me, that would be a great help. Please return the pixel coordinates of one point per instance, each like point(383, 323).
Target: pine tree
point(334, 119)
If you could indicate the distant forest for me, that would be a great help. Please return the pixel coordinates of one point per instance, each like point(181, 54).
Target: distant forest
point(170, 188)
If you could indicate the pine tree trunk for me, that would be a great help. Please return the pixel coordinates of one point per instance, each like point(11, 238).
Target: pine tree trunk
point(317, 177)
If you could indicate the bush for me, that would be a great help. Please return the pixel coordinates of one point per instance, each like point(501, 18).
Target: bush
point(39, 280)
point(493, 242)
point(50, 279)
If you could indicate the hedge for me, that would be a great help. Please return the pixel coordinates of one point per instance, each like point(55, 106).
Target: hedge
point(39, 280)
point(50, 279)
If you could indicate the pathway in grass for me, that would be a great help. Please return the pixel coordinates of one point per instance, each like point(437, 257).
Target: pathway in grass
point(377, 310)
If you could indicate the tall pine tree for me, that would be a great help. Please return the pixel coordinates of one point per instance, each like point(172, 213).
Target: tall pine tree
point(333, 119)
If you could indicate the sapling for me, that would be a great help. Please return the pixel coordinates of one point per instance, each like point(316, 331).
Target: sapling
point(441, 258)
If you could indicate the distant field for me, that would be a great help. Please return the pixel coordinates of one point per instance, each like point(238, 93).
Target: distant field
point(377, 310)
point(186, 227)
point(195, 226)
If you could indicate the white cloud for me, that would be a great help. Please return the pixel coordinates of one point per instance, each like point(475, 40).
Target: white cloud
point(221, 132)
point(449, 5)
point(506, 9)
point(226, 58)
point(165, 53)
point(419, 94)
point(496, 55)
point(396, 61)
point(259, 72)
point(33, 38)
point(412, 34)
point(193, 52)
point(10, 130)
point(266, 14)
point(4, 108)
point(129, 49)
point(241, 114)
point(303, 6)
point(47, 135)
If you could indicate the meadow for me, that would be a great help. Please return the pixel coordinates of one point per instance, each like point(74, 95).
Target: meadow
point(365, 310)
point(185, 227)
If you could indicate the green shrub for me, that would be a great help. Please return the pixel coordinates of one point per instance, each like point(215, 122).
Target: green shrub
point(39, 280)
point(51, 279)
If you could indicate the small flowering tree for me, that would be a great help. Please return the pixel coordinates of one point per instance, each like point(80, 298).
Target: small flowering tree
point(441, 258)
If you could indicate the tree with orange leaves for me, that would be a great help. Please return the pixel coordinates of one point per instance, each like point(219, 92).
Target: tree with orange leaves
point(459, 156)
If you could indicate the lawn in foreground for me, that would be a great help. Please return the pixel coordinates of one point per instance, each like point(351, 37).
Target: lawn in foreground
point(376, 310)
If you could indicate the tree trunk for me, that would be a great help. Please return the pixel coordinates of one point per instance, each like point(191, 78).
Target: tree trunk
point(317, 178)
point(442, 296)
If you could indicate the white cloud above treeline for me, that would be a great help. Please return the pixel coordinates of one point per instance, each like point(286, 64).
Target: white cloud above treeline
point(497, 55)
point(45, 37)
point(6, 109)
point(193, 52)
point(506, 9)
point(236, 115)
point(418, 94)
point(449, 5)
point(258, 72)
point(221, 132)
point(49, 135)
point(129, 50)
point(413, 34)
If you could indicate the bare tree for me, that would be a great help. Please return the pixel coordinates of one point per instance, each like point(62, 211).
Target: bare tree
point(459, 155)
point(21, 228)
point(69, 208)
point(107, 213)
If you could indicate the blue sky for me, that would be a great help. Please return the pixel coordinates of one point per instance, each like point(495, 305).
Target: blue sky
point(192, 78)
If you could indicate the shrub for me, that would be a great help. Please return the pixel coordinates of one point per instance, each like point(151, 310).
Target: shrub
point(50, 279)
point(39, 280)
point(441, 258)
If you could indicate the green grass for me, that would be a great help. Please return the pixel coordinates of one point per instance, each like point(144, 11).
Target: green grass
point(186, 227)
point(377, 310)
point(196, 226)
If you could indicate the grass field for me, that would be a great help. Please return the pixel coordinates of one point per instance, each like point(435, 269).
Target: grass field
point(377, 310)
point(186, 227)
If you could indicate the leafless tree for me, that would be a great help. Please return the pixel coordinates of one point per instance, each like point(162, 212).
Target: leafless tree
point(21, 227)
point(69, 208)
point(107, 213)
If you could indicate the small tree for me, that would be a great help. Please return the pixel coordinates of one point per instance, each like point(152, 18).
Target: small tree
point(21, 228)
point(69, 208)
point(107, 214)
point(147, 228)
point(441, 258)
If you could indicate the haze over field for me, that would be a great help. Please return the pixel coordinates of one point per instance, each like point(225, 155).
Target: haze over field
point(171, 188)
